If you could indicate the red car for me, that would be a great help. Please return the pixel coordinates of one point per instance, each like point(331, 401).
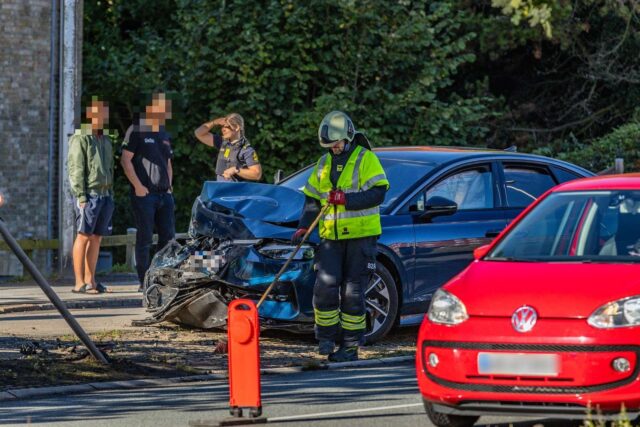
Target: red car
point(546, 320)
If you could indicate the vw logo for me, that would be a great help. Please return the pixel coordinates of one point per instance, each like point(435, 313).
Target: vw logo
point(524, 319)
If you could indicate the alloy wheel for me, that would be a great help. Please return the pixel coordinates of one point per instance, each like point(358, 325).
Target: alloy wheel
point(377, 303)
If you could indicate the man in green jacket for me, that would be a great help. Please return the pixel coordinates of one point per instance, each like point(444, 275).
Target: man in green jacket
point(90, 166)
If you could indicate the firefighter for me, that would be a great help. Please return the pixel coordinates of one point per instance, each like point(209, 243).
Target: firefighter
point(349, 178)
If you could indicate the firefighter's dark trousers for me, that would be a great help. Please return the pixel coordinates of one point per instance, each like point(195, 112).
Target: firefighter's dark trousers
point(343, 270)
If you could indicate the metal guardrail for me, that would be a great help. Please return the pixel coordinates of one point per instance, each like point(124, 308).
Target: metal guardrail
point(128, 240)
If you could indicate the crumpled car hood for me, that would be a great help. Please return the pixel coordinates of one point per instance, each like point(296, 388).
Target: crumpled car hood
point(242, 210)
point(266, 202)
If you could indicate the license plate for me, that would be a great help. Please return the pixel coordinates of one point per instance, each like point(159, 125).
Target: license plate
point(518, 364)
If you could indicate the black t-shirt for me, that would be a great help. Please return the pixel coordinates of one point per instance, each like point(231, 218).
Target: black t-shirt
point(151, 154)
point(241, 155)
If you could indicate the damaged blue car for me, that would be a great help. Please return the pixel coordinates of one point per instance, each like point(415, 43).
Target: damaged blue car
point(442, 204)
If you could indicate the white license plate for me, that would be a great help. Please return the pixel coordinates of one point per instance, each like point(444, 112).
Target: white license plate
point(518, 364)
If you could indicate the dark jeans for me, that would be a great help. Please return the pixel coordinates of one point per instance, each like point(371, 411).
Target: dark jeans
point(343, 268)
point(154, 209)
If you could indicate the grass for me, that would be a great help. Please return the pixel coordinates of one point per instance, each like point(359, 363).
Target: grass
point(187, 369)
point(622, 421)
point(121, 268)
point(42, 370)
point(112, 335)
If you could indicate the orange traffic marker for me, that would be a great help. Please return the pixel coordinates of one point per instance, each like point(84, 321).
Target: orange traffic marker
point(243, 332)
point(244, 358)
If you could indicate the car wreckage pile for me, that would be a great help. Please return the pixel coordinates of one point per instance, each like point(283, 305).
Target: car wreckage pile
point(236, 247)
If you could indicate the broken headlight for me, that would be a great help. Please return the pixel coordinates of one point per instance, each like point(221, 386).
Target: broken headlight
point(280, 251)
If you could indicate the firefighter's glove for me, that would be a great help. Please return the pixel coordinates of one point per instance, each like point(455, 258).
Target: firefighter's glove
point(298, 235)
point(337, 197)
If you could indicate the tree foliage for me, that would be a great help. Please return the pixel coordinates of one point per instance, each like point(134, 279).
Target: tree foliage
point(393, 66)
point(578, 85)
point(536, 13)
point(450, 72)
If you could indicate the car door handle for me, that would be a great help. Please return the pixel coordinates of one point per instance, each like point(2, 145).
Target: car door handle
point(492, 233)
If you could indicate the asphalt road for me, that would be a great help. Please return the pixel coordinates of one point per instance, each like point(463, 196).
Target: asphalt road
point(374, 396)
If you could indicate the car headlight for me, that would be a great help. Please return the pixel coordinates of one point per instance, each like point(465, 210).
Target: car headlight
point(447, 309)
point(279, 251)
point(617, 314)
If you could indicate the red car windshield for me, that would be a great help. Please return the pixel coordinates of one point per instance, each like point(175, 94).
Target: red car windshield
point(583, 226)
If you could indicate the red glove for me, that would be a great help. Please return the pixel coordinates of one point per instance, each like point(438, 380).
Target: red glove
point(337, 197)
point(298, 235)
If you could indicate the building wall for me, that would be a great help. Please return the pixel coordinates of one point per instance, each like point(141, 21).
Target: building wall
point(24, 115)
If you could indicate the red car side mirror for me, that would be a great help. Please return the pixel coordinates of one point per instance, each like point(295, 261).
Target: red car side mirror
point(480, 251)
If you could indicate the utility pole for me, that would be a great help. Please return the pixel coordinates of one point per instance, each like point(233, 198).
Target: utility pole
point(71, 12)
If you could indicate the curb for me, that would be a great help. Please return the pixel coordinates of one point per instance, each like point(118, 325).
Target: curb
point(29, 393)
point(74, 304)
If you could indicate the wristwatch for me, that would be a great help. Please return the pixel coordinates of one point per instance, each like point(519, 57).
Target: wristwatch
point(237, 169)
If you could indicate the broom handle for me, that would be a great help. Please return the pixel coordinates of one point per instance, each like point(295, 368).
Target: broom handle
point(295, 251)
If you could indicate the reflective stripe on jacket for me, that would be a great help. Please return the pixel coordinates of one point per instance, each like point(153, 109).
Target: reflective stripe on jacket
point(361, 172)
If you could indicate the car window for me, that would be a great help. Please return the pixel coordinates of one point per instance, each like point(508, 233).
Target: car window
point(524, 184)
point(563, 175)
point(597, 225)
point(469, 189)
point(401, 173)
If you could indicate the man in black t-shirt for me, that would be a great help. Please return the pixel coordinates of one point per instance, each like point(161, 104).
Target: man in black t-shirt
point(146, 160)
point(236, 160)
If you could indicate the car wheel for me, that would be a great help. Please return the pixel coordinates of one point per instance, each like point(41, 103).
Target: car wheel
point(447, 420)
point(381, 303)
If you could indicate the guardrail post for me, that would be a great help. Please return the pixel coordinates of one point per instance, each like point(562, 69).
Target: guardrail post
point(619, 165)
point(131, 254)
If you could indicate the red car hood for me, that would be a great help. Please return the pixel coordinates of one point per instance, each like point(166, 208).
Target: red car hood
point(569, 290)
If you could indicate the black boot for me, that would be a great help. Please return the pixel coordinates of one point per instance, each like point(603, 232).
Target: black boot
point(325, 347)
point(344, 354)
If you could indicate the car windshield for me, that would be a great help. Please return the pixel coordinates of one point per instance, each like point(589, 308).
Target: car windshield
point(401, 173)
point(584, 226)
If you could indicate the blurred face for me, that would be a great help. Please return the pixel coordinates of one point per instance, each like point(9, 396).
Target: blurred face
point(338, 147)
point(159, 110)
point(98, 114)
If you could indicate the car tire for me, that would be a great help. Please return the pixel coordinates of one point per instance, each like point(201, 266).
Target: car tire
point(381, 304)
point(447, 420)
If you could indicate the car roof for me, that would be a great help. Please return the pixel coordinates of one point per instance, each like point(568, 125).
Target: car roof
point(629, 181)
point(438, 155)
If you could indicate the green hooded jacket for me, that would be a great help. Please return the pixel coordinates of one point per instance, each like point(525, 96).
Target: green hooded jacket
point(90, 165)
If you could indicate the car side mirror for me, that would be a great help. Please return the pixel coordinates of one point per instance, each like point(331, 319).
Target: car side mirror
point(277, 177)
point(480, 251)
point(438, 206)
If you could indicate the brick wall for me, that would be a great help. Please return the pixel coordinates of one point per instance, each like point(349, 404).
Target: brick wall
point(24, 116)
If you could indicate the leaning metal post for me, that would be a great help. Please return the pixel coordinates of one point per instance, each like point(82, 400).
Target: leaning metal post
point(53, 297)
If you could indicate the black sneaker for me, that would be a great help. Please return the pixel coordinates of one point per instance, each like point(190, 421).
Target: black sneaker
point(344, 354)
point(325, 347)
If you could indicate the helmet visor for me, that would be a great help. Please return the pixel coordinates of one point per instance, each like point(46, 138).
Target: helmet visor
point(329, 136)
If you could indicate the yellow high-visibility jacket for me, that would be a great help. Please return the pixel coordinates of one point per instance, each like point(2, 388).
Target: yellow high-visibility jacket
point(361, 172)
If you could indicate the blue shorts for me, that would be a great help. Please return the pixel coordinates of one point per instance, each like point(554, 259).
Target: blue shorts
point(95, 217)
